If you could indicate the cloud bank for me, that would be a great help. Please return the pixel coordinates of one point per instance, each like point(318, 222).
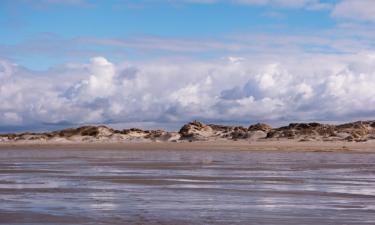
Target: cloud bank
point(234, 89)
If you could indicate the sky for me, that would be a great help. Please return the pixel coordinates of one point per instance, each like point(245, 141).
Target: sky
point(162, 63)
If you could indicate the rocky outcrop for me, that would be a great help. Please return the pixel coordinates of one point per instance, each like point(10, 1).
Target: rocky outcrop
point(197, 131)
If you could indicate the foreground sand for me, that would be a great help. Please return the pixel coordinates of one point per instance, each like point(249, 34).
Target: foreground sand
point(313, 146)
point(173, 187)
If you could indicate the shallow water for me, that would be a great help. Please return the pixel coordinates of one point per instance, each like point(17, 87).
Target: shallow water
point(185, 187)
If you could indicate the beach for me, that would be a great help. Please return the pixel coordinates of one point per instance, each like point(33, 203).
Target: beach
point(195, 183)
point(243, 145)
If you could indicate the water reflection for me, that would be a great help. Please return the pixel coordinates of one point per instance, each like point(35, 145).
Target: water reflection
point(185, 187)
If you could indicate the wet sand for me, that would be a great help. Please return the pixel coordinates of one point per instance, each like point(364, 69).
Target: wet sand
point(135, 186)
point(284, 145)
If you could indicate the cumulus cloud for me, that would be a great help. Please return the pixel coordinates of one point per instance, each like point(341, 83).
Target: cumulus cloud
point(246, 90)
point(100, 84)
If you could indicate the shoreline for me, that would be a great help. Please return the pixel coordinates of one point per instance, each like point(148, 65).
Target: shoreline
point(282, 146)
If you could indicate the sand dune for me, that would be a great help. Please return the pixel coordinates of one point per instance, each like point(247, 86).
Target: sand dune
point(356, 136)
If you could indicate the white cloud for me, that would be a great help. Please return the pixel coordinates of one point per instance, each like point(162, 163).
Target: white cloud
point(286, 3)
point(307, 4)
point(305, 90)
point(11, 118)
point(100, 83)
point(5, 69)
point(360, 10)
point(252, 89)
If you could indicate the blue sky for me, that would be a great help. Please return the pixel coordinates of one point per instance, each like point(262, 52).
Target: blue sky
point(160, 63)
point(34, 21)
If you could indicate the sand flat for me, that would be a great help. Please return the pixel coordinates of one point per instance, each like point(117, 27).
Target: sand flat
point(285, 145)
point(119, 186)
